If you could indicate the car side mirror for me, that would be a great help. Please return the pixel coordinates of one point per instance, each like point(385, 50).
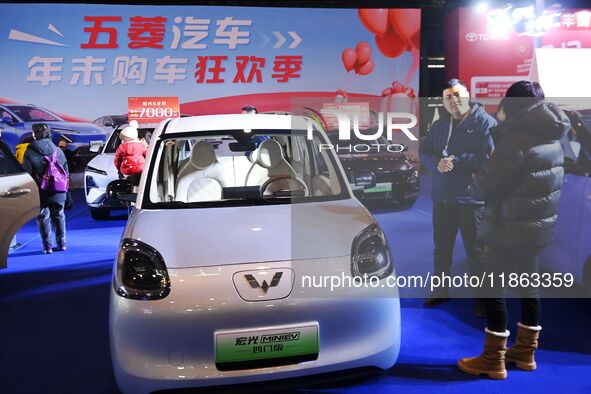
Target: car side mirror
point(121, 190)
point(364, 178)
point(95, 146)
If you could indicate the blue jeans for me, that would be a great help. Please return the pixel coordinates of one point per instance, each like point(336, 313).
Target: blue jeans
point(52, 215)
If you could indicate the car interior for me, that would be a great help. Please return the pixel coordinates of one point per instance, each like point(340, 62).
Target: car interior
point(219, 168)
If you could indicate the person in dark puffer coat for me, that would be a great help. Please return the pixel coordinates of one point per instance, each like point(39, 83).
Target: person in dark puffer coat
point(520, 185)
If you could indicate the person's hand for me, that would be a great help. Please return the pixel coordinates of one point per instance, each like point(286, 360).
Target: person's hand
point(446, 164)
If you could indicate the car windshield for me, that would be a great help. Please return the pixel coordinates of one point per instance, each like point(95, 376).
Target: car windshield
point(235, 169)
point(115, 141)
point(33, 114)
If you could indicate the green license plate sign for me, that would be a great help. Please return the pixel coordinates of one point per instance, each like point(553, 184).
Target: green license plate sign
point(242, 346)
point(380, 188)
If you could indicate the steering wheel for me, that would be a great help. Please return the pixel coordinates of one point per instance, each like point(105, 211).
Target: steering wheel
point(274, 179)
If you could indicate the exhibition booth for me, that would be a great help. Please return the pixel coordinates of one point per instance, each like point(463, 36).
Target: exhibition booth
point(248, 197)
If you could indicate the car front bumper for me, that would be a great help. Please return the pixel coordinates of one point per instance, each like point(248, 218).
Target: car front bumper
point(170, 343)
point(95, 187)
point(397, 186)
point(78, 156)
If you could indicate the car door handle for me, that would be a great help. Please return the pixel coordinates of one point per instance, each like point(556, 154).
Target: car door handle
point(15, 193)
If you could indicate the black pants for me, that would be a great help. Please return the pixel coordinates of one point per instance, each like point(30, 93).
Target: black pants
point(519, 261)
point(134, 179)
point(448, 218)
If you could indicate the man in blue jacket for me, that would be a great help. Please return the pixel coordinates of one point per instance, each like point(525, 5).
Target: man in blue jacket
point(454, 149)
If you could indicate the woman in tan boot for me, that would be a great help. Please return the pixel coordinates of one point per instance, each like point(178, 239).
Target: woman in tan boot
point(520, 185)
point(492, 360)
point(522, 352)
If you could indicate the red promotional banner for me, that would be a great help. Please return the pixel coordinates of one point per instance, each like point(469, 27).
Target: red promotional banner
point(152, 110)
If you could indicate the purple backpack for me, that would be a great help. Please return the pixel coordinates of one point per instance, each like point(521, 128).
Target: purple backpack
point(55, 178)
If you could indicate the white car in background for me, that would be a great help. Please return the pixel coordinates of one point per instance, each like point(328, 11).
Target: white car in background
point(208, 286)
point(101, 170)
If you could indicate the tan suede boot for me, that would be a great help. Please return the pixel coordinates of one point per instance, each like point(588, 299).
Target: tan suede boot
point(522, 352)
point(492, 360)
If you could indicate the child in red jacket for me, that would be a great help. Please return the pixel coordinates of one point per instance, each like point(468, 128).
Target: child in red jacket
point(131, 154)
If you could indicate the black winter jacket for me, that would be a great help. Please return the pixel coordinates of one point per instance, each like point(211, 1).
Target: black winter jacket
point(470, 143)
point(35, 164)
point(521, 182)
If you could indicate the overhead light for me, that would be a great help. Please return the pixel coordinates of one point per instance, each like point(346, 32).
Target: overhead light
point(499, 21)
point(435, 65)
point(482, 8)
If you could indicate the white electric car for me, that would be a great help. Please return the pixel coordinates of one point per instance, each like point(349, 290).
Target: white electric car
point(221, 273)
point(101, 171)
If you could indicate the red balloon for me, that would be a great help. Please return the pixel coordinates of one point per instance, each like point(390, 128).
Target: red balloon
point(386, 92)
point(363, 51)
point(405, 21)
point(365, 68)
point(391, 45)
point(416, 40)
point(349, 59)
point(374, 19)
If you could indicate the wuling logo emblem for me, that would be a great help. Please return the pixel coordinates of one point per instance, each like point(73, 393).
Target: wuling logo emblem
point(264, 286)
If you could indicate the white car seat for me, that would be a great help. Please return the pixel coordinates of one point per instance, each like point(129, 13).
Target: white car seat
point(270, 163)
point(203, 177)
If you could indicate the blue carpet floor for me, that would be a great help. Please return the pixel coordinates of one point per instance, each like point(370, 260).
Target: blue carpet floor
point(54, 326)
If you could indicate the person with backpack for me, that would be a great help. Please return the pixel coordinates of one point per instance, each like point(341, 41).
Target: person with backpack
point(48, 166)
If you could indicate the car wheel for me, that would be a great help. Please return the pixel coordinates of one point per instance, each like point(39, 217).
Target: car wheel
point(99, 214)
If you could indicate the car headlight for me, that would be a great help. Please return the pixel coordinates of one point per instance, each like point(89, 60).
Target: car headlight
point(370, 253)
point(90, 184)
point(95, 170)
point(141, 273)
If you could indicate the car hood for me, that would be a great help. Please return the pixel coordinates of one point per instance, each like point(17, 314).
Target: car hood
point(203, 237)
point(75, 128)
point(105, 162)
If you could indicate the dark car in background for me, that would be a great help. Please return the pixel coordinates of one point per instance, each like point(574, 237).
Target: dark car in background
point(396, 173)
point(110, 122)
point(80, 141)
